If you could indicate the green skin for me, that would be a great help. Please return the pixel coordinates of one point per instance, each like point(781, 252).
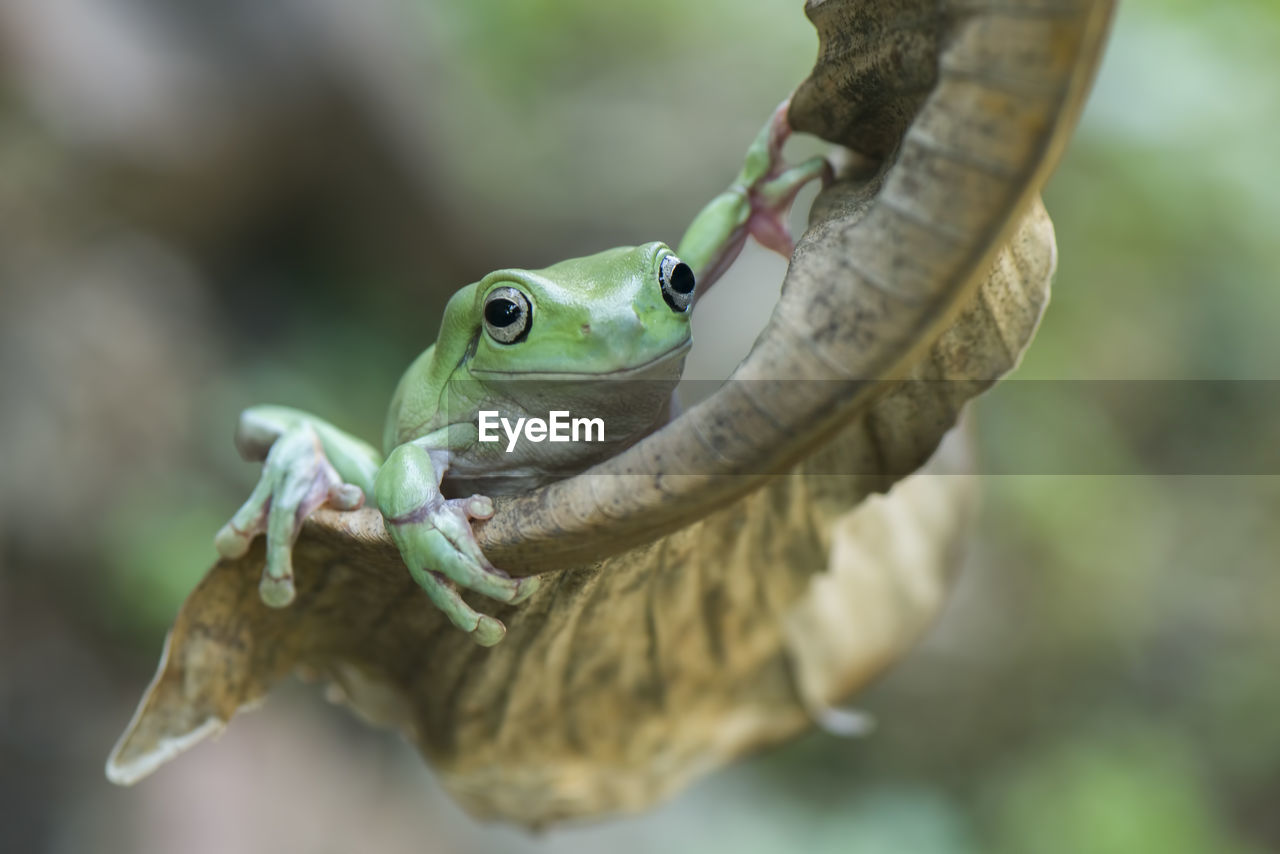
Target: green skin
point(593, 320)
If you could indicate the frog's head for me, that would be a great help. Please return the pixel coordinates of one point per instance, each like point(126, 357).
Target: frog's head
point(621, 313)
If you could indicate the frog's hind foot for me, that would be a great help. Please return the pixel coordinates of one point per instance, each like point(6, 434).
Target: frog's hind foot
point(772, 185)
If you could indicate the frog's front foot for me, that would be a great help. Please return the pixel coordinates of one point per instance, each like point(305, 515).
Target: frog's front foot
point(772, 186)
point(437, 544)
point(297, 478)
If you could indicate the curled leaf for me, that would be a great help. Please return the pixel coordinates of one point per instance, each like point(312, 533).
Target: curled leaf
point(686, 619)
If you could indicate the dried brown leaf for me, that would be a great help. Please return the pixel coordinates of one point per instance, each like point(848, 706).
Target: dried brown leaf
point(646, 661)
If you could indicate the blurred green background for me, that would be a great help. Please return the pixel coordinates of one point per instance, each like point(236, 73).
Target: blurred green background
point(209, 205)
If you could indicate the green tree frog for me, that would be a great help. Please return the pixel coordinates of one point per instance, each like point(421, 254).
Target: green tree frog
point(619, 314)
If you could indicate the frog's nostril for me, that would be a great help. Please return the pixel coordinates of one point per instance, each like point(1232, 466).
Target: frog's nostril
point(586, 329)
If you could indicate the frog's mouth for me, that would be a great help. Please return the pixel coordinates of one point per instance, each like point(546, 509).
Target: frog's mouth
point(656, 365)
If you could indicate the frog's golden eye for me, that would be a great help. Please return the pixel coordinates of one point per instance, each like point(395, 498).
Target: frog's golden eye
point(677, 283)
point(507, 315)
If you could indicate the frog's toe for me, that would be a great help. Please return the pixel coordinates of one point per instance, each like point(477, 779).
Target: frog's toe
point(490, 581)
point(482, 629)
point(475, 507)
point(346, 496)
point(231, 542)
point(233, 539)
point(488, 631)
point(779, 129)
point(771, 203)
point(255, 435)
point(277, 592)
point(525, 587)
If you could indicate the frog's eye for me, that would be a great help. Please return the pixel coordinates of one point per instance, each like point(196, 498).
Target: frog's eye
point(677, 283)
point(507, 315)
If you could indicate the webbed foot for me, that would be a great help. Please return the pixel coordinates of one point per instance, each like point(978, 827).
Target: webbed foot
point(439, 547)
point(757, 203)
point(772, 186)
point(297, 478)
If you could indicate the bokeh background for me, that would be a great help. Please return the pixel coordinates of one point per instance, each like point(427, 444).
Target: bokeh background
point(206, 205)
